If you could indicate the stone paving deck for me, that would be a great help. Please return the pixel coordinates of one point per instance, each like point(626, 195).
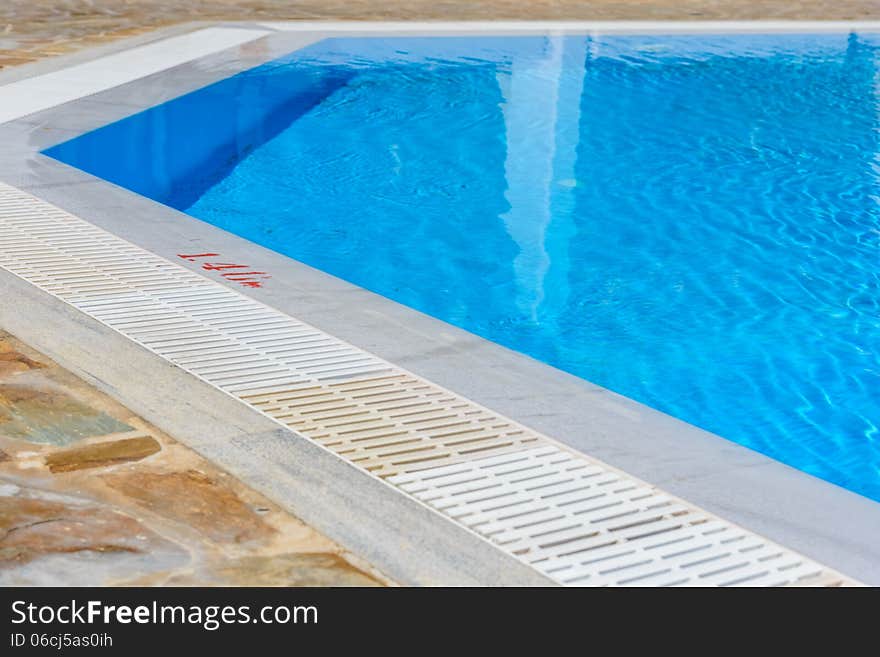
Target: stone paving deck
point(34, 29)
point(90, 494)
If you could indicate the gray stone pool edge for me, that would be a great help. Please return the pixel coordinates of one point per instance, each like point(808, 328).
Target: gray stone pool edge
point(806, 514)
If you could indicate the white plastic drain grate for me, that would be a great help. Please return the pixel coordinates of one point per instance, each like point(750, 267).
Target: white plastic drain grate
point(583, 523)
point(393, 423)
point(571, 517)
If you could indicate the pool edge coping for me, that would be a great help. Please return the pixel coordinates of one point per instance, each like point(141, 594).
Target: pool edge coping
point(793, 525)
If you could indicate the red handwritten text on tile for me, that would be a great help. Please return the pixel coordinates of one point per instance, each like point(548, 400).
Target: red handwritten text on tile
point(228, 270)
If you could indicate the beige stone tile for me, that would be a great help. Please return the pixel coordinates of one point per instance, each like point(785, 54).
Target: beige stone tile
point(31, 29)
point(133, 506)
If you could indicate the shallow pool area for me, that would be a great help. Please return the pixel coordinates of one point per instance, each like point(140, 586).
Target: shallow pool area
point(691, 221)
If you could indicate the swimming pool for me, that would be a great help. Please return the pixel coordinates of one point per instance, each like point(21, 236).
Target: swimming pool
point(691, 221)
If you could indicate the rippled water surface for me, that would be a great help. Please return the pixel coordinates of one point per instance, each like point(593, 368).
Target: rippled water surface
point(690, 221)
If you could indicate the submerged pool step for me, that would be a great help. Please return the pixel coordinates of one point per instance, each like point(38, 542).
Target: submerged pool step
point(575, 519)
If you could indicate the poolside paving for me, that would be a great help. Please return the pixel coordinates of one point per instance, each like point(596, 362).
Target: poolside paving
point(90, 494)
point(34, 29)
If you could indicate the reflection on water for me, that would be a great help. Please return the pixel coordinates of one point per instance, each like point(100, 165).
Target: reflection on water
point(541, 112)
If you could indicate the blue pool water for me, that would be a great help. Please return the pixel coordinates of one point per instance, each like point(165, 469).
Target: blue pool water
point(691, 221)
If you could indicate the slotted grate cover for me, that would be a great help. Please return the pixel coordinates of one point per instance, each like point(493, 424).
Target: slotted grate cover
point(573, 518)
point(393, 423)
point(584, 523)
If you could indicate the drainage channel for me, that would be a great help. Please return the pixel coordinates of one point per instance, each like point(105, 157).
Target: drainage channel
point(574, 519)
